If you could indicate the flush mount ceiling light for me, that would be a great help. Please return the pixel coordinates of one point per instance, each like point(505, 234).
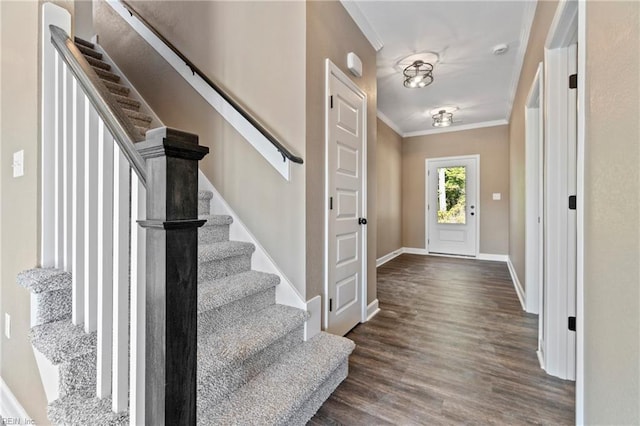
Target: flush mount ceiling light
point(442, 118)
point(418, 75)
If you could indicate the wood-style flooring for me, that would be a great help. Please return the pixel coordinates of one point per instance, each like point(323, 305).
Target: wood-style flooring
point(451, 345)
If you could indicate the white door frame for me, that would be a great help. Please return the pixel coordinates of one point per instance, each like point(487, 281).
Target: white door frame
point(560, 358)
point(534, 171)
point(478, 210)
point(332, 70)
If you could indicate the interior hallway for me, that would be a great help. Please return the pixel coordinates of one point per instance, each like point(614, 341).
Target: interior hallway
point(451, 345)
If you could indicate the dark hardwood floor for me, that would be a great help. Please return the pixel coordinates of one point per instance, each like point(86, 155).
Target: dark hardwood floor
point(451, 345)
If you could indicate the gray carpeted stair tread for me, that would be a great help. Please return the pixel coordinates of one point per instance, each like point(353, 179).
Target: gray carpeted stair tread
point(280, 391)
point(127, 103)
point(216, 219)
point(216, 293)
point(87, 51)
point(39, 280)
point(79, 410)
point(224, 250)
point(139, 118)
point(85, 43)
point(116, 88)
point(62, 341)
point(205, 195)
point(97, 63)
point(106, 75)
point(238, 341)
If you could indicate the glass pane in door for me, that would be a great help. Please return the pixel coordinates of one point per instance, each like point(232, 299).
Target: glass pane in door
point(451, 194)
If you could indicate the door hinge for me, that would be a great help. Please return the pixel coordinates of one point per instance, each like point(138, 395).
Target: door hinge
point(572, 202)
point(572, 323)
point(331, 101)
point(330, 305)
point(573, 81)
point(330, 203)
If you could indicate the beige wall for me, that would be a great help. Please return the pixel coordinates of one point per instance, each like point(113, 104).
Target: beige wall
point(492, 144)
point(331, 33)
point(612, 218)
point(256, 50)
point(19, 217)
point(534, 55)
point(389, 190)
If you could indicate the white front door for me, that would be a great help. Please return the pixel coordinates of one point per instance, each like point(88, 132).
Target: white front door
point(346, 219)
point(452, 208)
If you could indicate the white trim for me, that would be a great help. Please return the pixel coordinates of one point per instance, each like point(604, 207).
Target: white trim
point(230, 114)
point(286, 293)
point(372, 309)
point(562, 31)
point(516, 283)
point(527, 21)
point(582, 75)
point(386, 120)
point(332, 69)
point(388, 257)
point(49, 375)
point(312, 325)
point(10, 407)
point(478, 211)
point(363, 23)
point(414, 250)
point(493, 257)
point(457, 128)
point(541, 361)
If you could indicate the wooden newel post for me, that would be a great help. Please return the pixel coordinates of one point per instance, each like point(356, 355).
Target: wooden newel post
point(172, 273)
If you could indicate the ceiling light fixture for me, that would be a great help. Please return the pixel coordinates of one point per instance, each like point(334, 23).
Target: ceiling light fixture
point(417, 75)
point(442, 119)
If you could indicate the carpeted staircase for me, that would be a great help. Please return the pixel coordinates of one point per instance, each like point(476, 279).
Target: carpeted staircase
point(253, 366)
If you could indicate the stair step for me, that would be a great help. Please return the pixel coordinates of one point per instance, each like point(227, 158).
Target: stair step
point(287, 390)
point(142, 131)
point(222, 259)
point(127, 103)
point(87, 51)
point(234, 354)
point(39, 280)
point(106, 75)
point(97, 63)
point(84, 410)
point(85, 43)
point(138, 118)
point(116, 88)
point(228, 300)
point(204, 202)
point(215, 230)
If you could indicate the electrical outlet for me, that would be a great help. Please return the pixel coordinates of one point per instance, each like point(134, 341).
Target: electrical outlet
point(7, 325)
point(497, 196)
point(18, 163)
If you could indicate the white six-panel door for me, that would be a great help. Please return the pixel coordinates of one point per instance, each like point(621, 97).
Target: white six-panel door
point(346, 219)
point(452, 227)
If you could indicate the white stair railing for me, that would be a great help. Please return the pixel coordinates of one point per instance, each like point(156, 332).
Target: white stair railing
point(91, 202)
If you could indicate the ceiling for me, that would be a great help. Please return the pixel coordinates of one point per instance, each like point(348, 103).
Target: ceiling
point(467, 74)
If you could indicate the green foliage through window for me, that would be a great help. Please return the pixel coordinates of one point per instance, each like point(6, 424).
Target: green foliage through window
point(451, 194)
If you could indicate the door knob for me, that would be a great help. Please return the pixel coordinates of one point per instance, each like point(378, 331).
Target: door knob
point(472, 213)
point(362, 221)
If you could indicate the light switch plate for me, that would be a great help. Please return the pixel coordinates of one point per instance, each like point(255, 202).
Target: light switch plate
point(7, 325)
point(497, 196)
point(18, 163)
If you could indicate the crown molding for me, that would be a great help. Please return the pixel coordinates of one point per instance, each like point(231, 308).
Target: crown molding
point(527, 21)
point(386, 120)
point(455, 128)
point(363, 23)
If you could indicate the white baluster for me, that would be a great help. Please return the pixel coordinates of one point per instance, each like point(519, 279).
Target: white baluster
point(67, 144)
point(105, 260)
point(91, 192)
point(121, 217)
point(138, 280)
point(77, 262)
point(59, 165)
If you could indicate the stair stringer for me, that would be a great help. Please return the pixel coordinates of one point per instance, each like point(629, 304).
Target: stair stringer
point(286, 293)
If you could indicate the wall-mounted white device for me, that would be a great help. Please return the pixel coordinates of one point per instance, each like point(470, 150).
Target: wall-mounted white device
point(354, 64)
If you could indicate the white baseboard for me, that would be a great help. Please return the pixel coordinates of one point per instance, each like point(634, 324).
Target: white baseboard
point(312, 325)
point(493, 257)
point(372, 309)
point(540, 360)
point(11, 410)
point(412, 250)
point(516, 283)
point(387, 257)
